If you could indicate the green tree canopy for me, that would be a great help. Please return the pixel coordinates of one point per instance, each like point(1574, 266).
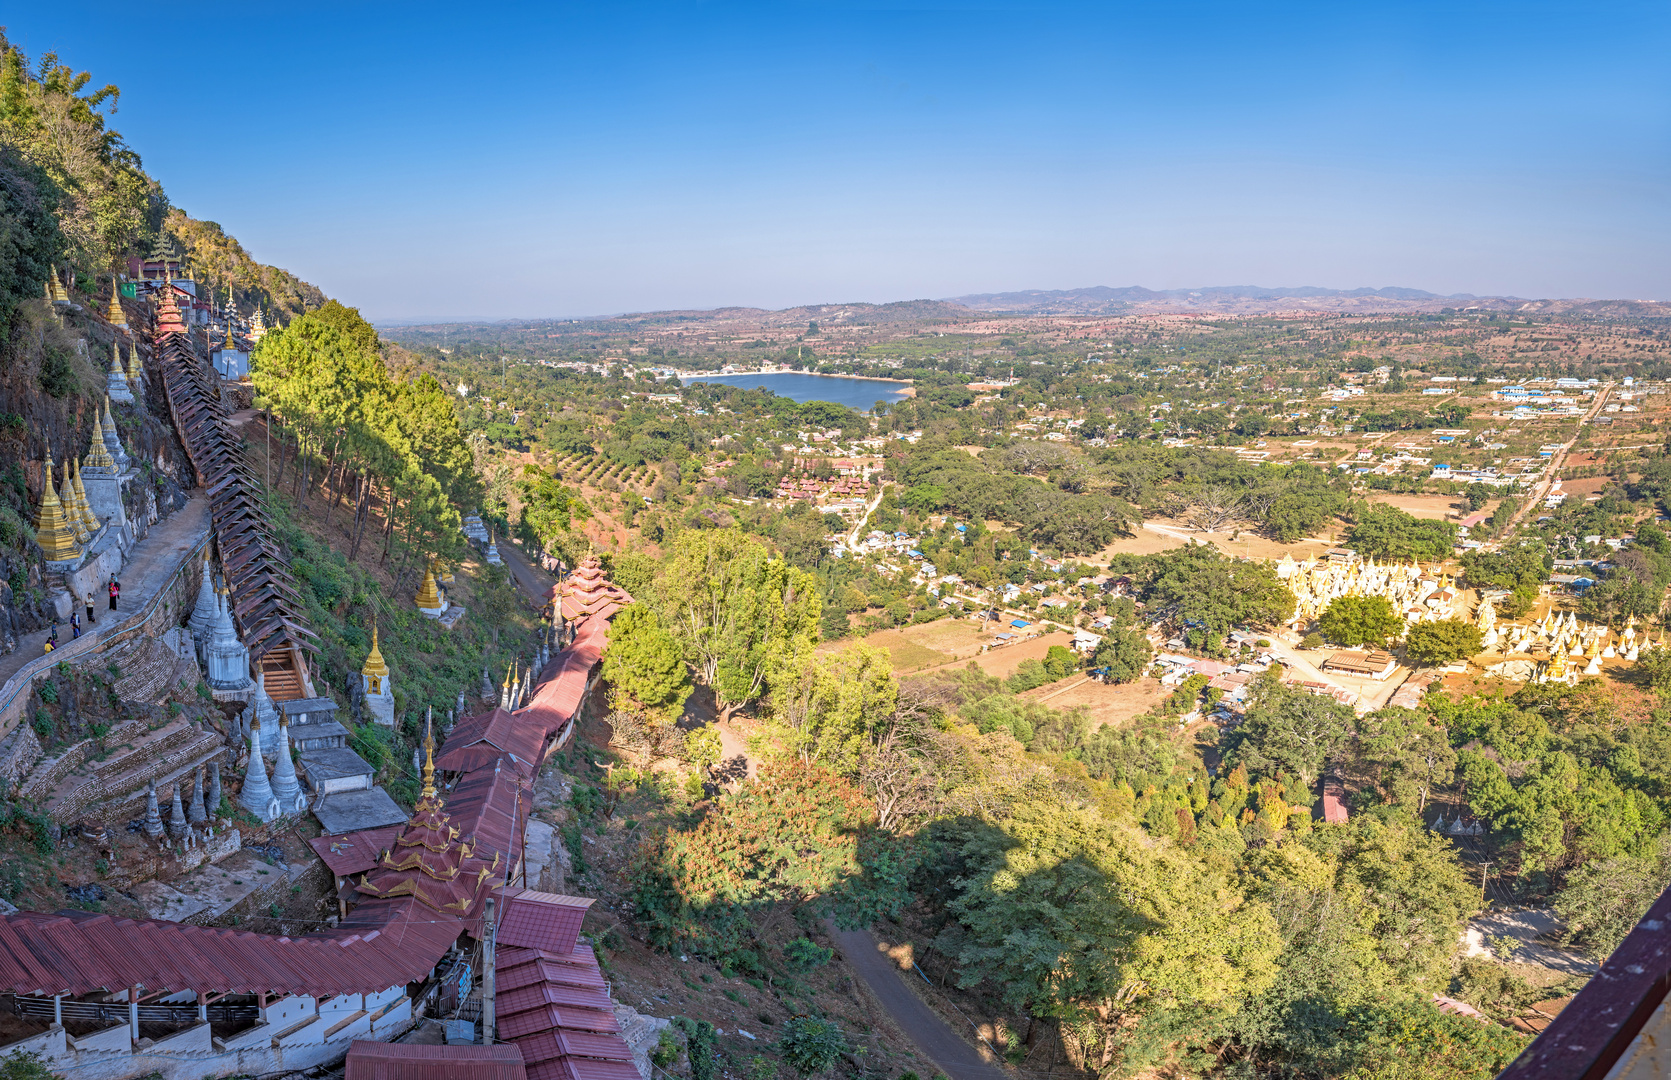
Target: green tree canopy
point(1443, 641)
point(1360, 620)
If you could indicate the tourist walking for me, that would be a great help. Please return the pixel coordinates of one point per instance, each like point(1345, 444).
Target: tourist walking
point(89, 607)
point(115, 591)
point(52, 642)
point(75, 626)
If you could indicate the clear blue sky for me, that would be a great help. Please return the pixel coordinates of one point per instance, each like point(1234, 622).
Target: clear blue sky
point(494, 160)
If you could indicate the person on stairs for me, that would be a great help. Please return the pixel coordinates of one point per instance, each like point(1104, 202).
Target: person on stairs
point(89, 607)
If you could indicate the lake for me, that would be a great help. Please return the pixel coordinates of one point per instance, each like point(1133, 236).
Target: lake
point(858, 394)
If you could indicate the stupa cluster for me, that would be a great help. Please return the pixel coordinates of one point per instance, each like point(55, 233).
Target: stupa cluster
point(1414, 593)
point(1558, 648)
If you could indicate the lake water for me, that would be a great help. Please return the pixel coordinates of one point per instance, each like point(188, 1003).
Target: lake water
point(858, 394)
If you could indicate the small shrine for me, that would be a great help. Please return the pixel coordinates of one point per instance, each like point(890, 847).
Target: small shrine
point(428, 597)
point(226, 657)
point(493, 558)
point(231, 362)
point(474, 529)
point(377, 686)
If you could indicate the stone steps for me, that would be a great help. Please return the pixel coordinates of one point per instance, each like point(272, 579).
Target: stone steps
point(162, 756)
point(150, 671)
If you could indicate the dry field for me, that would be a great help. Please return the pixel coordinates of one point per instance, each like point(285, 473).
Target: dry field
point(1437, 507)
point(1105, 704)
point(935, 644)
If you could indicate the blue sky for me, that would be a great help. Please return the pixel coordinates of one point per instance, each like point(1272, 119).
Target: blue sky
point(545, 160)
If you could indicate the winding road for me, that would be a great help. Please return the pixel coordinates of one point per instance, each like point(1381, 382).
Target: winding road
point(921, 1024)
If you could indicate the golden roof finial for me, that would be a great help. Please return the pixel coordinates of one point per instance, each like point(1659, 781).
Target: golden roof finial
point(429, 753)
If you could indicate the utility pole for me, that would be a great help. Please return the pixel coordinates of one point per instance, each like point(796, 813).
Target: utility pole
point(489, 928)
point(1483, 870)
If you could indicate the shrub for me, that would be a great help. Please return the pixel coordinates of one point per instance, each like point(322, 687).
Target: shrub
point(803, 954)
point(811, 1045)
point(49, 692)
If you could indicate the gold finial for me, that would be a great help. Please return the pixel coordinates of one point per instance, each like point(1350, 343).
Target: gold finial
point(429, 753)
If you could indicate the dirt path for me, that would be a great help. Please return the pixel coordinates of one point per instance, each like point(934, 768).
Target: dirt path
point(955, 1057)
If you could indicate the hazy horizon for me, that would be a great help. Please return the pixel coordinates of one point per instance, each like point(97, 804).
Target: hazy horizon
point(583, 159)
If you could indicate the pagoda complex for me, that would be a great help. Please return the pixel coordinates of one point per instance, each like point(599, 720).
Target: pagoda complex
point(1416, 595)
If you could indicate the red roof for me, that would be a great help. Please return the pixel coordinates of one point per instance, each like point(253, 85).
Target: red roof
point(381, 944)
point(555, 1008)
point(541, 920)
point(355, 852)
point(479, 741)
point(397, 1061)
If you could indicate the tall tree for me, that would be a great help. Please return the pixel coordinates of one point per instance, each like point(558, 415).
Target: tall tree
point(739, 613)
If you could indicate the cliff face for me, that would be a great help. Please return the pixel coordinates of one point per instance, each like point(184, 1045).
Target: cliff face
point(52, 382)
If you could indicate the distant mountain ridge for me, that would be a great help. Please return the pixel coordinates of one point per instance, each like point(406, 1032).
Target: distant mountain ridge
point(1238, 299)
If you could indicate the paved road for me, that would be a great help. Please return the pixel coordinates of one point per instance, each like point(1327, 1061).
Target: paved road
point(1541, 491)
point(921, 1024)
point(534, 582)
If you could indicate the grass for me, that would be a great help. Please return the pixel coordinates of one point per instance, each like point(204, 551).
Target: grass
point(909, 656)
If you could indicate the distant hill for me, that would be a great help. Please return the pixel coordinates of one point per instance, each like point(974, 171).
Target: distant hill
point(1228, 299)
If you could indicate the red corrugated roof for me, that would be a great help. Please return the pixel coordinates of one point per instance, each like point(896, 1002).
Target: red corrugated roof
point(566, 1030)
point(478, 741)
point(538, 920)
point(381, 944)
point(397, 1061)
point(355, 852)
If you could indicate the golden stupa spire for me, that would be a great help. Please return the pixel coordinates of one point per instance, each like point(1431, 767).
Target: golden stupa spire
point(74, 514)
point(88, 519)
point(429, 754)
point(117, 316)
point(52, 531)
point(136, 366)
point(375, 667)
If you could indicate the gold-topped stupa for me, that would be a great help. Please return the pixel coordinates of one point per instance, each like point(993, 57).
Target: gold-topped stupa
point(115, 314)
point(89, 524)
point(97, 456)
point(136, 366)
point(375, 669)
point(429, 597)
point(55, 290)
point(52, 529)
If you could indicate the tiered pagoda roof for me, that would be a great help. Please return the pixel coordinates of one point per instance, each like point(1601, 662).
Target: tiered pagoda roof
point(588, 591)
point(432, 862)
